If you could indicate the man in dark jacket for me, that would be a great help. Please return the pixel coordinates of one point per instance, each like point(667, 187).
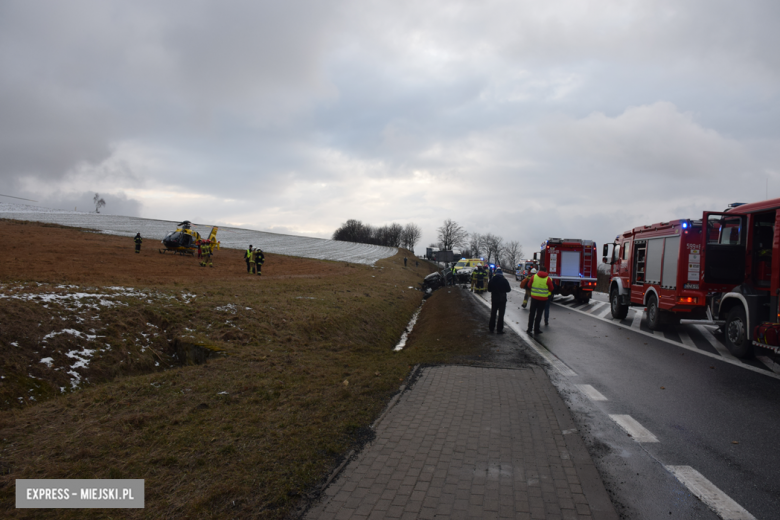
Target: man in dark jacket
point(259, 260)
point(138, 242)
point(498, 289)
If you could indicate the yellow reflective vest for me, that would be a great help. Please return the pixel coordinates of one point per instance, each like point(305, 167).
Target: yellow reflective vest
point(539, 287)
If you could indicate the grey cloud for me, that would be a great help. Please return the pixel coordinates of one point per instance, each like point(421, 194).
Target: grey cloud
point(657, 140)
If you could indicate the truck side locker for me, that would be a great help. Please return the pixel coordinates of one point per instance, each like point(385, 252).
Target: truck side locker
point(671, 260)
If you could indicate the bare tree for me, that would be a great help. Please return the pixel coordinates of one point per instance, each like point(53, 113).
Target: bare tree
point(411, 235)
point(476, 244)
point(511, 254)
point(493, 246)
point(99, 202)
point(452, 235)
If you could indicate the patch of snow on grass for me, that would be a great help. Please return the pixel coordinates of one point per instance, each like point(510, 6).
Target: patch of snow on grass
point(409, 327)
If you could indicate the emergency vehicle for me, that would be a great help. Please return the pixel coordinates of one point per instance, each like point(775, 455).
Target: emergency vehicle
point(658, 267)
point(571, 264)
point(743, 251)
point(523, 269)
point(724, 268)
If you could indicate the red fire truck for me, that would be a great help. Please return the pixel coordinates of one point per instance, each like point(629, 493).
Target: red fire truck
point(724, 268)
point(571, 264)
point(658, 266)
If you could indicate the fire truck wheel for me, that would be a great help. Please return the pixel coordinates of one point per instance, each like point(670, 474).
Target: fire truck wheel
point(735, 332)
point(619, 309)
point(653, 313)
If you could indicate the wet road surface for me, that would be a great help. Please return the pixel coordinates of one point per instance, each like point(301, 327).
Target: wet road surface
point(673, 406)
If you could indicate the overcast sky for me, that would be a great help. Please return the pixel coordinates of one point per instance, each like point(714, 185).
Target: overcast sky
point(525, 119)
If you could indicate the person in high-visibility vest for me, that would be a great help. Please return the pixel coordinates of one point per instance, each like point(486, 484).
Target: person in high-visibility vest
point(138, 242)
point(249, 261)
point(205, 249)
point(541, 289)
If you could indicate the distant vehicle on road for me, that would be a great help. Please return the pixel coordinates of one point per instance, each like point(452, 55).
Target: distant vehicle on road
point(571, 264)
point(464, 268)
point(523, 269)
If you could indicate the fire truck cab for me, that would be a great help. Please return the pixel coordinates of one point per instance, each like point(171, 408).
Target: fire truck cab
point(571, 264)
point(742, 273)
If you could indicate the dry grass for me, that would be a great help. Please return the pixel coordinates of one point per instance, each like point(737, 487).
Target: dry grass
point(309, 365)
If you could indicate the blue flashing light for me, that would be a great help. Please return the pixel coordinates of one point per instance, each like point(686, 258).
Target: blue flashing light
point(685, 225)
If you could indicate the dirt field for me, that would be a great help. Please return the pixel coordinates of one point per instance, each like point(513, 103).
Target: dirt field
point(93, 384)
point(55, 254)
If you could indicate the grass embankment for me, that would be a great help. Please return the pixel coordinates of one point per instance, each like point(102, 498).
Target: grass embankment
point(309, 365)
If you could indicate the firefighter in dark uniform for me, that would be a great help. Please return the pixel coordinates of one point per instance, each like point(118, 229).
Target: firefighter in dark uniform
point(138, 242)
point(479, 276)
point(259, 259)
point(249, 259)
point(205, 249)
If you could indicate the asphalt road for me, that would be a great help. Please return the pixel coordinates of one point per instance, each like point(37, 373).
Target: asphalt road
point(678, 426)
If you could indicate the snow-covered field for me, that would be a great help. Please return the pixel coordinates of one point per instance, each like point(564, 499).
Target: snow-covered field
point(232, 238)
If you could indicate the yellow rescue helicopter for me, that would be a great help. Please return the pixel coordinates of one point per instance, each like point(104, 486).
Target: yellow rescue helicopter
point(185, 240)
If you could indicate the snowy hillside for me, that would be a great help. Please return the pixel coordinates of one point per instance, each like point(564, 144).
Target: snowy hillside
point(232, 238)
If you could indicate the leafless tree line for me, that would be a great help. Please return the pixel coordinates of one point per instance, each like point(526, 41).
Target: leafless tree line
point(392, 235)
point(475, 245)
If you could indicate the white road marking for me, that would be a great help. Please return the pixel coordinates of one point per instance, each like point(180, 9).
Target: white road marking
point(730, 360)
point(708, 493)
point(771, 365)
point(594, 307)
point(603, 313)
point(633, 428)
point(710, 337)
point(636, 322)
point(685, 338)
point(591, 392)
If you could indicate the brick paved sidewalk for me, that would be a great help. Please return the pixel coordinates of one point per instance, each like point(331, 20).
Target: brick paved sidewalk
point(472, 442)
